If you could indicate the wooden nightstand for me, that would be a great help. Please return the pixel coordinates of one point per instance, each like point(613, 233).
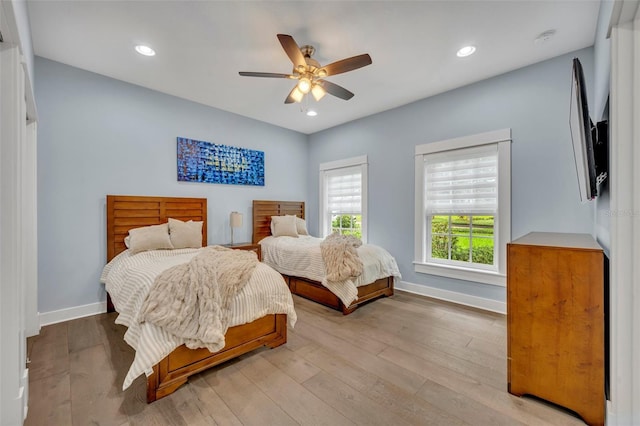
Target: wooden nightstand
point(246, 246)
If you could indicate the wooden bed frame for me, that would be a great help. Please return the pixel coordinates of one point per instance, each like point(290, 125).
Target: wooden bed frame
point(304, 287)
point(126, 212)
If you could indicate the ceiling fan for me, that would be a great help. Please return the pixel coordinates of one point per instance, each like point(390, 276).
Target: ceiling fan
point(310, 74)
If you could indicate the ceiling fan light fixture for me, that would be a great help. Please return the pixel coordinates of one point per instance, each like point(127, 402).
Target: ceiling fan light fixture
point(318, 92)
point(304, 85)
point(310, 74)
point(312, 113)
point(297, 95)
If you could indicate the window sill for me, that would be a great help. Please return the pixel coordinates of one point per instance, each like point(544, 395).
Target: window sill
point(467, 274)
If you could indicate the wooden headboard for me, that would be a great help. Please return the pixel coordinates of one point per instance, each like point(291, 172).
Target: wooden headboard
point(125, 212)
point(263, 210)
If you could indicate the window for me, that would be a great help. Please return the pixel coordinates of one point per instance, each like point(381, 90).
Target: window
point(343, 197)
point(463, 207)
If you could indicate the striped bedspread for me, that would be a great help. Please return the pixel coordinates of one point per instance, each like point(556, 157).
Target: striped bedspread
point(301, 257)
point(128, 278)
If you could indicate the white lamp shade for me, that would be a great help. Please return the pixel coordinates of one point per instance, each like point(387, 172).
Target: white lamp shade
point(296, 94)
point(318, 92)
point(236, 220)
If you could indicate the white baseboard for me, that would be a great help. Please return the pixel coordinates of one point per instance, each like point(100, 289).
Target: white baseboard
point(452, 296)
point(25, 398)
point(67, 314)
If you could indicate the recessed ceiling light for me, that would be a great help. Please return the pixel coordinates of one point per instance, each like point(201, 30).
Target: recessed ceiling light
point(466, 51)
point(145, 50)
point(312, 113)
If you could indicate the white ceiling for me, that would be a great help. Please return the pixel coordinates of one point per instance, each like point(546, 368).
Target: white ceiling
point(201, 46)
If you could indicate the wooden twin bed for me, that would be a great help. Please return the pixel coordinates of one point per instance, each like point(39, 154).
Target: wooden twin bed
point(309, 289)
point(127, 212)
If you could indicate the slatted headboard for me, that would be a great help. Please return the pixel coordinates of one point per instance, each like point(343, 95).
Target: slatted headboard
point(125, 212)
point(263, 210)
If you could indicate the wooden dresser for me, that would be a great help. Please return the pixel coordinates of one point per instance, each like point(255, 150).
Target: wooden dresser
point(556, 321)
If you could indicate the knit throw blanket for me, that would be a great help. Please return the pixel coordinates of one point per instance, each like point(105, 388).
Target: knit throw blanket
point(191, 300)
point(340, 257)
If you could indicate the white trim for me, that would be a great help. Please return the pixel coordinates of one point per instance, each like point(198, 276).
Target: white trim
point(467, 274)
point(76, 312)
point(624, 408)
point(362, 162)
point(347, 162)
point(24, 392)
point(12, 265)
point(486, 138)
point(30, 228)
point(452, 296)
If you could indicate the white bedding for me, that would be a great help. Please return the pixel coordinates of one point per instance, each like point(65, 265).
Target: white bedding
point(129, 277)
point(301, 257)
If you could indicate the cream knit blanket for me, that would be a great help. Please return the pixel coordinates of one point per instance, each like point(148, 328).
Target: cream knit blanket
point(340, 257)
point(191, 300)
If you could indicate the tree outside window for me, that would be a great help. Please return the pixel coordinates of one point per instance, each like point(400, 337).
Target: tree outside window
point(347, 224)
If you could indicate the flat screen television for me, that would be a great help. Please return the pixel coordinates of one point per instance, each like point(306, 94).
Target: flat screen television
point(589, 140)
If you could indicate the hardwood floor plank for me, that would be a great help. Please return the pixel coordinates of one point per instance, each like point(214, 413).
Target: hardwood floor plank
point(520, 409)
point(403, 404)
point(236, 390)
point(292, 363)
point(351, 403)
point(422, 330)
point(460, 406)
point(302, 405)
point(187, 406)
point(49, 401)
point(383, 368)
point(427, 357)
point(296, 341)
point(210, 403)
point(95, 400)
point(163, 412)
point(356, 338)
point(85, 333)
point(50, 352)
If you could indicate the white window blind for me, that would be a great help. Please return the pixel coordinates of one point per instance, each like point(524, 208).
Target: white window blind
point(344, 190)
point(462, 181)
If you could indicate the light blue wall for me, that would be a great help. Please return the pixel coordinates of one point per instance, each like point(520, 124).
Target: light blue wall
point(532, 101)
point(99, 136)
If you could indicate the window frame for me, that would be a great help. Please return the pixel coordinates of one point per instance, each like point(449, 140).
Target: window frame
point(502, 220)
point(324, 214)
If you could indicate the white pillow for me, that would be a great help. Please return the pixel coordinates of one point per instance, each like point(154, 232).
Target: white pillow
point(301, 225)
point(283, 226)
point(185, 234)
point(154, 237)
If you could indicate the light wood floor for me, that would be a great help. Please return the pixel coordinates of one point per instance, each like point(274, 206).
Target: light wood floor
point(403, 360)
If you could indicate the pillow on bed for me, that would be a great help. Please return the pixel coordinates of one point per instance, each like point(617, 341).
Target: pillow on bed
point(284, 226)
point(154, 237)
point(185, 234)
point(301, 225)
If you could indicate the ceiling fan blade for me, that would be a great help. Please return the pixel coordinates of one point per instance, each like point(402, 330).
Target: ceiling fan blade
point(348, 64)
point(264, 74)
point(290, 98)
point(335, 90)
point(292, 50)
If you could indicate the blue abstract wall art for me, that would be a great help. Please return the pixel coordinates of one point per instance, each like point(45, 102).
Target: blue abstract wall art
point(200, 161)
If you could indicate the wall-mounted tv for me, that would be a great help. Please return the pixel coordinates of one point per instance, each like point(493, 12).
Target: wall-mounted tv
point(589, 140)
